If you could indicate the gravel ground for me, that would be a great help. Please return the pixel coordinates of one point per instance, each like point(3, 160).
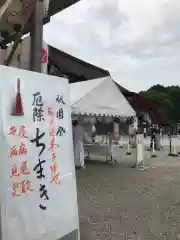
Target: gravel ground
point(121, 203)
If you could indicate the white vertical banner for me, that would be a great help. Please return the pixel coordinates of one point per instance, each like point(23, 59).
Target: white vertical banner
point(44, 57)
point(38, 198)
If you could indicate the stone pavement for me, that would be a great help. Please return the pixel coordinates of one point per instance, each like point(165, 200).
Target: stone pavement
point(117, 202)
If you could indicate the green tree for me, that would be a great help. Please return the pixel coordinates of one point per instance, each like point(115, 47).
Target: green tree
point(170, 99)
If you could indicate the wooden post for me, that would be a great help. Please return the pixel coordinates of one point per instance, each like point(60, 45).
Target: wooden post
point(20, 34)
point(37, 38)
point(4, 7)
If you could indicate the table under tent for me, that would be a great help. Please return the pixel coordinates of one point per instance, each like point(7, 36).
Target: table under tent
point(100, 101)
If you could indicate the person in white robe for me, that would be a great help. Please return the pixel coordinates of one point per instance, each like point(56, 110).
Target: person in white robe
point(93, 133)
point(79, 138)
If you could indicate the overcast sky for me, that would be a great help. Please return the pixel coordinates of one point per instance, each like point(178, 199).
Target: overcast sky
point(138, 41)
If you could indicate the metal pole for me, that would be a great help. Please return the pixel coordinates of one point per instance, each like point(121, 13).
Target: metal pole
point(170, 146)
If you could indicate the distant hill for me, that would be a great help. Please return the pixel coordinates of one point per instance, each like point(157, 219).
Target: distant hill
point(170, 97)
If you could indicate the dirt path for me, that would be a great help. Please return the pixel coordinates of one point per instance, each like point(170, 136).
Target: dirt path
point(118, 202)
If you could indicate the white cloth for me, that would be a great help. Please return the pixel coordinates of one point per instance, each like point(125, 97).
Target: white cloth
point(79, 154)
point(132, 130)
point(79, 137)
point(93, 129)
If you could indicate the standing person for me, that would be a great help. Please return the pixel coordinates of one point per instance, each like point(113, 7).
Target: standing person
point(162, 132)
point(79, 138)
point(145, 132)
point(153, 135)
point(93, 133)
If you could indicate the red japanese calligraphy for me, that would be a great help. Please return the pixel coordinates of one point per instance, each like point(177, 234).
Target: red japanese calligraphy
point(20, 188)
point(55, 174)
point(52, 144)
point(22, 149)
point(26, 186)
point(22, 131)
point(53, 167)
point(13, 151)
point(29, 186)
point(12, 130)
point(51, 133)
point(15, 172)
point(54, 156)
point(16, 189)
point(23, 187)
point(55, 179)
point(23, 170)
point(50, 111)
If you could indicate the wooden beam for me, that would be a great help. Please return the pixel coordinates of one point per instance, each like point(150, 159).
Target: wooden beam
point(37, 38)
point(20, 33)
point(4, 7)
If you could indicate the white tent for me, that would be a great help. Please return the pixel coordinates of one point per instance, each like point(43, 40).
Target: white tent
point(99, 97)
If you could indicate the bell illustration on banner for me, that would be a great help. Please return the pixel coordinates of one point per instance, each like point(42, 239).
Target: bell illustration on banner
point(18, 108)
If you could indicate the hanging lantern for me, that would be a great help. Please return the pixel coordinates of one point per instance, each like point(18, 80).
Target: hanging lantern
point(18, 108)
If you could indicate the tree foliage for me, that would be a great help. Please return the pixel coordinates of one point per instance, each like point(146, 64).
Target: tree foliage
point(170, 99)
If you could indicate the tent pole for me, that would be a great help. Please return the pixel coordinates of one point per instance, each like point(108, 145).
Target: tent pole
point(37, 38)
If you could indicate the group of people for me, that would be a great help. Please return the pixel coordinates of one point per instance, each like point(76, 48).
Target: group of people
point(80, 137)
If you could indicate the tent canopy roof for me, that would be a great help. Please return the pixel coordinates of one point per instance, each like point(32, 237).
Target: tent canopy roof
point(99, 97)
point(78, 70)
